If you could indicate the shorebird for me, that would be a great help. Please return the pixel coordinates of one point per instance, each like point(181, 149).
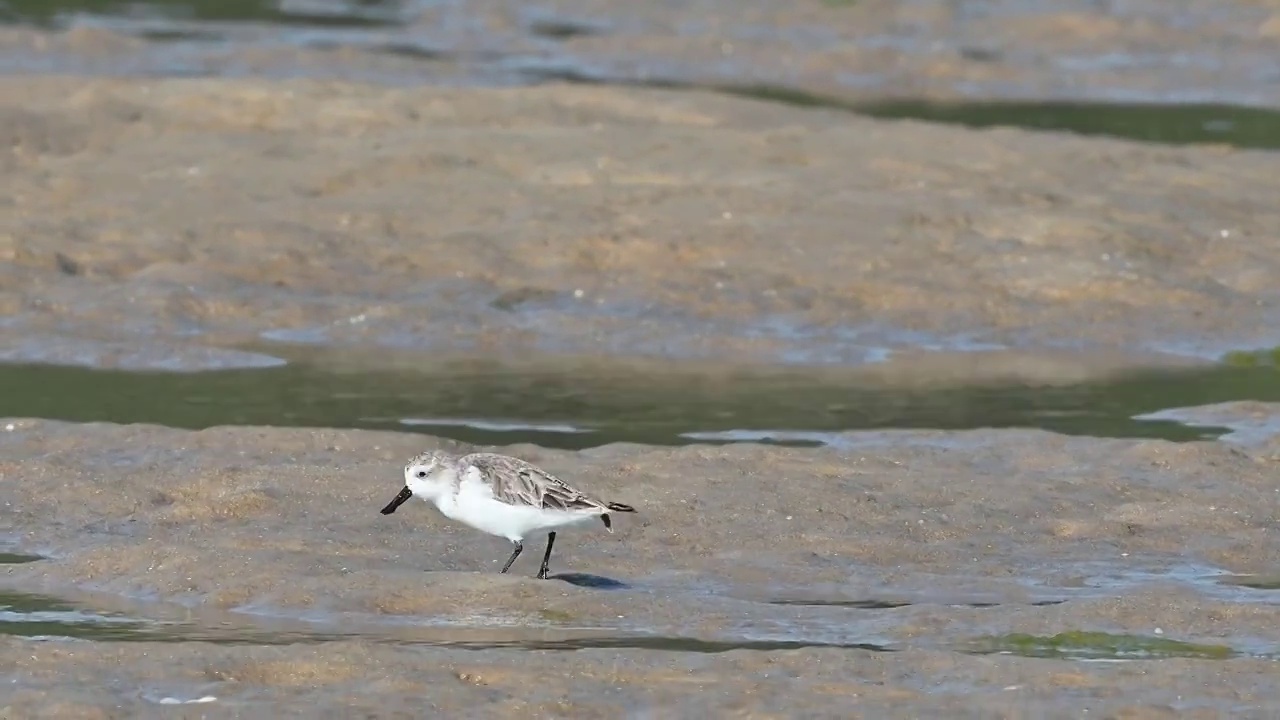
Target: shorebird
point(501, 495)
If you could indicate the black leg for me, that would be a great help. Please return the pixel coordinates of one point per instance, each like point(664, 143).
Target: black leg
point(546, 557)
point(514, 554)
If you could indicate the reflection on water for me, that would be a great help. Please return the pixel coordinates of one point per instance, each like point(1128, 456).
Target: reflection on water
point(57, 13)
point(817, 621)
point(1181, 124)
point(7, 558)
point(50, 619)
point(47, 618)
point(1252, 582)
point(1166, 123)
point(38, 616)
point(575, 407)
point(527, 406)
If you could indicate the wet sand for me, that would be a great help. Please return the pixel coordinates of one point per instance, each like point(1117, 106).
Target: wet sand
point(148, 221)
point(186, 224)
point(1144, 50)
point(754, 580)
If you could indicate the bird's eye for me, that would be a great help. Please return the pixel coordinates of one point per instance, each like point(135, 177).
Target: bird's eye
point(422, 473)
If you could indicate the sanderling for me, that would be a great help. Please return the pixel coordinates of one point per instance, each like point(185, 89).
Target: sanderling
point(502, 496)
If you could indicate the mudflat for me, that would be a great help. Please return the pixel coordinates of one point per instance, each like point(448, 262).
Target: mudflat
point(1142, 50)
point(187, 224)
point(165, 223)
point(914, 572)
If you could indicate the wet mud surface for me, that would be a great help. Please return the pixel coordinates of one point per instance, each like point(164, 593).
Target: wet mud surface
point(201, 186)
point(1186, 51)
point(969, 573)
point(601, 221)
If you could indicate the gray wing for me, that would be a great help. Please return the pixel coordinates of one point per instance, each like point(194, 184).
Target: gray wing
point(517, 482)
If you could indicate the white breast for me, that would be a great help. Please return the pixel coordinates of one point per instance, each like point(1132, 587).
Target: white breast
point(475, 505)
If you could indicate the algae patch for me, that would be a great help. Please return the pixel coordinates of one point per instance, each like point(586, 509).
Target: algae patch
point(7, 558)
point(42, 617)
point(1264, 357)
point(1087, 645)
point(555, 616)
point(1253, 583)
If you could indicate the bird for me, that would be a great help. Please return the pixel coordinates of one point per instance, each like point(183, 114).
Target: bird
point(501, 495)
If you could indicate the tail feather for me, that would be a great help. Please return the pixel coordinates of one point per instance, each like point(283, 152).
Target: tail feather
point(615, 507)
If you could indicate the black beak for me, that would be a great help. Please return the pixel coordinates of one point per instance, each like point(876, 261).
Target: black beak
point(405, 494)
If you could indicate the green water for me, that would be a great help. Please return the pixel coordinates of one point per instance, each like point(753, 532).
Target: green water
point(1167, 123)
point(1092, 645)
point(1182, 124)
point(40, 616)
point(609, 406)
point(1170, 123)
point(1253, 583)
point(50, 13)
point(35, 615)
point(30, 615)
point(8, 558)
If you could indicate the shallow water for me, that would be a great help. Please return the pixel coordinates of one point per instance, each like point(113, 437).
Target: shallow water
point(460, 44)
point(48, 618)
point(1080, 645)
point(775, 624)
point(8, 558)
point(1182, 124)
point(61, 13)
point(111, 618)
point(1155, 122)
point(576, 408)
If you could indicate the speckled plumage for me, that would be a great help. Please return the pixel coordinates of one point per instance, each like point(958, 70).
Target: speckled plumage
point(501, 495)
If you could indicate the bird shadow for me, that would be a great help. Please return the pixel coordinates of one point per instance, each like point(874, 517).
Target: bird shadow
point(588, 580)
